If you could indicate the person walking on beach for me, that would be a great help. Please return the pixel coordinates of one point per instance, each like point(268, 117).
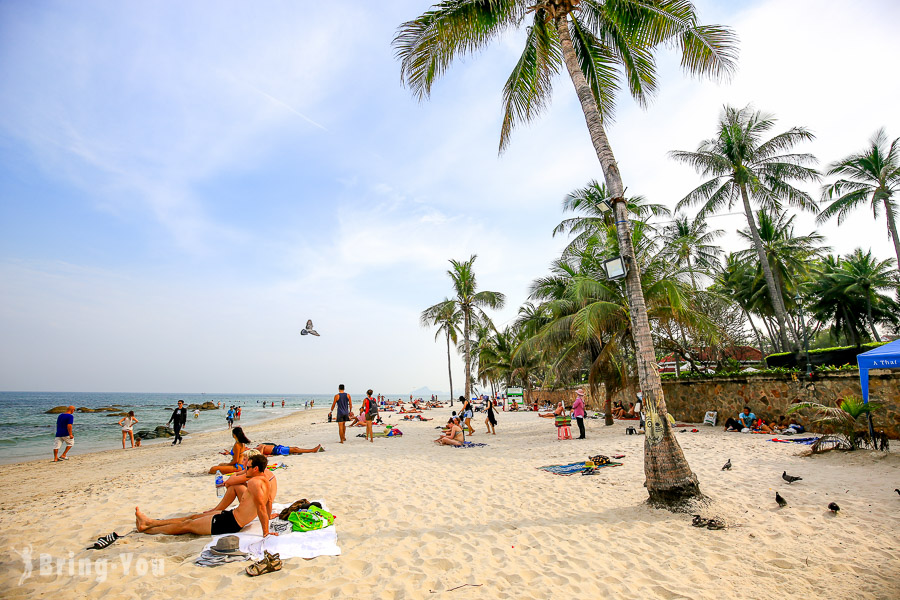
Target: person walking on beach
point(491, 419)
point(178, 420)
point(344, 405)
point(127, 425)
point(229, 416)
point(64, 434)
point(370, 412)
point(578, 412)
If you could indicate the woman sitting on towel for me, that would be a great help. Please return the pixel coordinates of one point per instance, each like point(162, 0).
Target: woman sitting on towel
point(454, 436)
point(240, 444)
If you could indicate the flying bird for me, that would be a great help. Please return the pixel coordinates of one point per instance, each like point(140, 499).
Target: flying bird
point(727, 466)
point(833, 507)
point(308, 330)
point(790, 478)
point(781, 501)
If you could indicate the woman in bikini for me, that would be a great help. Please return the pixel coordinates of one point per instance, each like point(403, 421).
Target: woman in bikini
point(454, 437)
point(127, 425)
point(240, 445)
point(279, 450)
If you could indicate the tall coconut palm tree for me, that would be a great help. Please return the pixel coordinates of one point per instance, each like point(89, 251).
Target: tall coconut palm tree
point(748, 169)
point(446, 318)
point(873, 175)
point(863, 275)
point(789, 256)
point(600, 42)
point(690, 244)
point(470, 303)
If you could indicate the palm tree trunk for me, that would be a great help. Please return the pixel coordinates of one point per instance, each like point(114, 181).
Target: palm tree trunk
point(669, 478)
point(892, 227)
point(449, 369)
point(774, 296)
point(607, 407)
point(755, 331)
point(869, 316)
point(468, 386)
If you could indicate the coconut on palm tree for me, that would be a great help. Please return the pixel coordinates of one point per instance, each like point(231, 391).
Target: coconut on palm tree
point(471, 304)
point(872, 175)
point(446, 318)
point(744, 168)
point(601, 43)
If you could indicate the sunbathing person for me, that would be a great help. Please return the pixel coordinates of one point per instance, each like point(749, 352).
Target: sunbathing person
point(254, 503)
point(559, 412)
point(454, 436)
point(268, 449)
point(240, 444)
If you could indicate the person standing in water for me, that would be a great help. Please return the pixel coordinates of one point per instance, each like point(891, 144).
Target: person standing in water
point(344, 405)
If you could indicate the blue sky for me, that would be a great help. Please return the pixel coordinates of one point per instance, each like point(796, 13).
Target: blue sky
point(182, 185)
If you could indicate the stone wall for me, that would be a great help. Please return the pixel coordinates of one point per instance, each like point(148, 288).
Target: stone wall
point(766, 395)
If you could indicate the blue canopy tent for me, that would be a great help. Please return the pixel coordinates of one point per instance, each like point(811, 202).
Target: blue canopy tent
point(882, 357)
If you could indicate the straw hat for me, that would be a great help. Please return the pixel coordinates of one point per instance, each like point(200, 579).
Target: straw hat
point(580, 391)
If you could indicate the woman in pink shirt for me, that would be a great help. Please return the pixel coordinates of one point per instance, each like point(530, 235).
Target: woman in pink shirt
point(578, 411)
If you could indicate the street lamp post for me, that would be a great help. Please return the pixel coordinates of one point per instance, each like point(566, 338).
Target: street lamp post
point(799, 301)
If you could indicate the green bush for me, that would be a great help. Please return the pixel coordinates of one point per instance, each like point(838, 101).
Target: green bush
point(864, 348)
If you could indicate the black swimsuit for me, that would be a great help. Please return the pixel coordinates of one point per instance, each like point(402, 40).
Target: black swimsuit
point(223, 522)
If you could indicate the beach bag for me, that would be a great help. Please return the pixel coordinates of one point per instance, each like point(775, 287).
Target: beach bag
point(599, 460)
point(710, 418)
point(310, 519)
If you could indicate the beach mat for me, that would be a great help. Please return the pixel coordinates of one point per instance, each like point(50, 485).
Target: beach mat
point(574, 468)
point(804, 440)
point(294, 544)
point(470, 445)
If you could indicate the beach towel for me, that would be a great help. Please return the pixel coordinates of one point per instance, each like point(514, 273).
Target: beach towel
point(806, 440)
point(574, 468)
point(469, 445)
point(308, 544)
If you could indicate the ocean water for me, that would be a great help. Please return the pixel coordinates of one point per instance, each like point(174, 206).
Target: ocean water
point(26, 432)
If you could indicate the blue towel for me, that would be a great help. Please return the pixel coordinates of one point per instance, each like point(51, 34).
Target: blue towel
point(469, 445)
point(574, 468)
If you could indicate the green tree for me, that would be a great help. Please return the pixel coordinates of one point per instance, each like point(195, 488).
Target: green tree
point(446, 318)
point(864, 275)
point(743, 167)
point(690, 244)
point(873, 175)
point(470, 303)
point(600, 42)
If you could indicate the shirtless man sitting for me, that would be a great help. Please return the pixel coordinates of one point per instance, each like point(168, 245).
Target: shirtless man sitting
point(255, 502)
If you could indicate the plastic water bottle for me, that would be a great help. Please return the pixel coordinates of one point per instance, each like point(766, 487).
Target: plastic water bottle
point(220, 484)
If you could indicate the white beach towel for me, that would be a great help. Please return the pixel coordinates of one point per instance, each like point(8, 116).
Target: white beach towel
point(309, 544)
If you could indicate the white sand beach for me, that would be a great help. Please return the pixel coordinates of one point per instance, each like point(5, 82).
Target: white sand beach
point(415, 520)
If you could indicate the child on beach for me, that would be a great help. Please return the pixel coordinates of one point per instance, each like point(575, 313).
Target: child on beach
point(127, 425)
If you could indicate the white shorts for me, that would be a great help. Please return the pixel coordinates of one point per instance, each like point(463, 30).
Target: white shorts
point(63, 440)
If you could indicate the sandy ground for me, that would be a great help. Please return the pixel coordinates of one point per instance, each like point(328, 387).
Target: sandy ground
point(416, 520)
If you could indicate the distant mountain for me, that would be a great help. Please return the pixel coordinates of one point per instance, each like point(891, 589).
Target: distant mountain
point(427, 392)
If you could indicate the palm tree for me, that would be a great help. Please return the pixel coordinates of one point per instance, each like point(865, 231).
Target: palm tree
point(789, 257)
point(446, 318)
point(470, 303)
point(599, 41)
point(745, 167)
point(874, 175)
point(690, 243)
point(863, 274)
point(734, 281)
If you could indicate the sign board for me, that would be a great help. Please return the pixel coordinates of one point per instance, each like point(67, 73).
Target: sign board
point(513, 392)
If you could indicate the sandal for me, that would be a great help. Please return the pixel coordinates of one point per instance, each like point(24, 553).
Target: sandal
point(715, 524)
point(269, 564)
point(699, 521)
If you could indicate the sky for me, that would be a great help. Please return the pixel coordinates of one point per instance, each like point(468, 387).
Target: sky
point(183, 185)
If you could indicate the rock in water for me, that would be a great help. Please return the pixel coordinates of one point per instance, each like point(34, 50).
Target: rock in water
point(56, 410)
